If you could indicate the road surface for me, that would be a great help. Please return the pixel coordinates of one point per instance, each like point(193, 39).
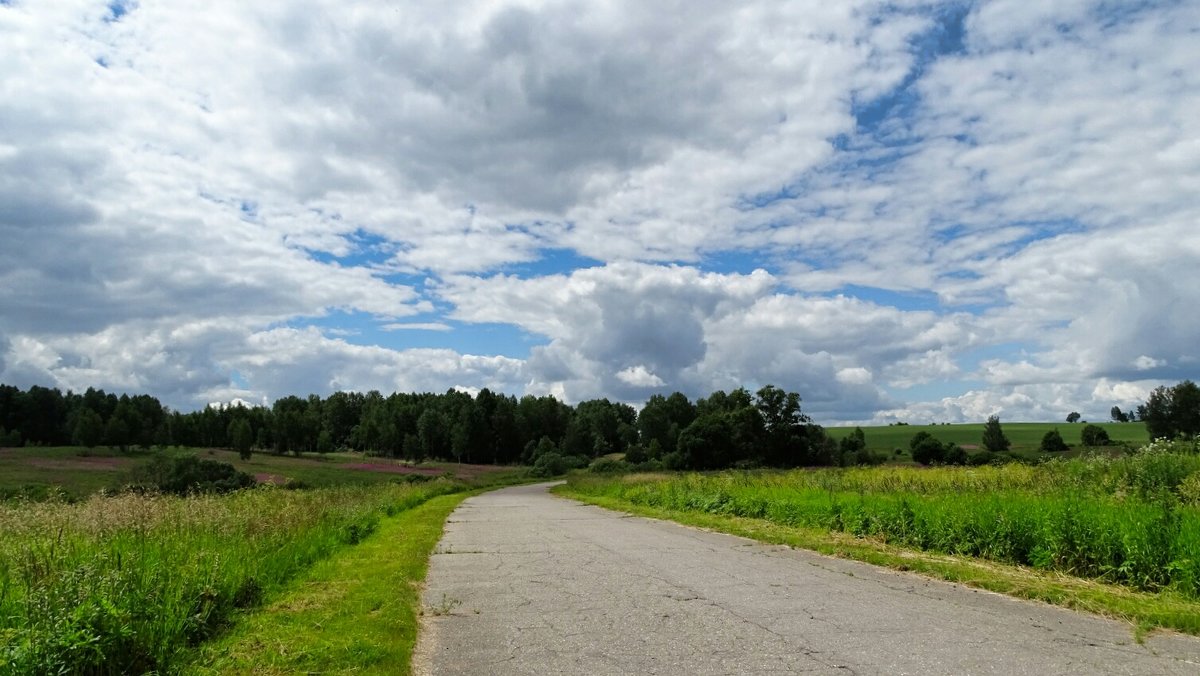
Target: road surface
point(524, 582)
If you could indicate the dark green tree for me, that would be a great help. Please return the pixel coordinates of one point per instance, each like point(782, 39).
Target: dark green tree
point(1073, 417)
point(926, 449)
point(1094, 435)
point(89, 428)
point(1171, 412)
point(993, 437)
point(241, 437)
point(1052, 442)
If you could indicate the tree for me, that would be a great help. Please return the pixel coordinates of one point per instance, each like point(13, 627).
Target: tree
point(1052, 442)
point(89, 429)
point(1171, 412)
point(852, 449)
point(116, 433)
point(241, 437)
point(993, 437)
point(1118, 415)
point(925, 449)
point(1073, 417)
point(1094, 435)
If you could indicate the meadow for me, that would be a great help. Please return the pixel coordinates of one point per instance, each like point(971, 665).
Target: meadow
point(74, 473)
point(1026, 438)
point(1132, 519)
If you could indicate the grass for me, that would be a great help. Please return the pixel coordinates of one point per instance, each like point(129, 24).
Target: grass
point(1025, 437)
point(1119, 535)
point(127, 584)
point(75, 472)
point(356, 612)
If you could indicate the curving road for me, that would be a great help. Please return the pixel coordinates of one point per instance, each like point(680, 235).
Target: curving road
point(524, 582)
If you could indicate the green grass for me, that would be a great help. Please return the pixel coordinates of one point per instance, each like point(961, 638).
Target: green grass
point(75, 472)
point(1035, 531)
point(1024, 436)
point(127, 584)
point(355, 612)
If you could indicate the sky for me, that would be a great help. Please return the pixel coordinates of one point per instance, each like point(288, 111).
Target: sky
point(904, 211)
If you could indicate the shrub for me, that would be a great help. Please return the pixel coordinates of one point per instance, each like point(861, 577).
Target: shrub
point(926, 449)
point(1052, 442)
point(554, 464)
point(190, 474)
point(636, 453)
point(1094, 435)
point(954, 454)
point(980, 458)
point(609, 466)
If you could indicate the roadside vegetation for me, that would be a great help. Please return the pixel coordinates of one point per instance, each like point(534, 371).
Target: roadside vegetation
point(1132, 520)
point(129, 583)
point(355, 612)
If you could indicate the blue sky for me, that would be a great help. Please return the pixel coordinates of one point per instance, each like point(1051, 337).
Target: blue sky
point(917, 211)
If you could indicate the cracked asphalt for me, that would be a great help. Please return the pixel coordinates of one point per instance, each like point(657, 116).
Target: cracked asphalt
point(524, 582)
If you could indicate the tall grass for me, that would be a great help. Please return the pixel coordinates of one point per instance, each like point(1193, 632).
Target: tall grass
point(1133, 520)
point(117, 585)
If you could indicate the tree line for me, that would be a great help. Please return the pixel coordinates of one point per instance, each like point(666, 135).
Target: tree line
point(725, 429)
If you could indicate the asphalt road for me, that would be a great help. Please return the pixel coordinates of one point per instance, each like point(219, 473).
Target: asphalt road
point(524, 582)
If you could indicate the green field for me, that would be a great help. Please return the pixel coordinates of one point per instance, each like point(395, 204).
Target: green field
point(1024, 436)
point(78, 472)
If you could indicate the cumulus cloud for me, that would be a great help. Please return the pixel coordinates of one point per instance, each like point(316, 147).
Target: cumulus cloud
point(172, 206)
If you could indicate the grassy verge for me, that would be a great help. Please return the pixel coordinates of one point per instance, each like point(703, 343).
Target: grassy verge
point(354, 612)
point(1144, 610)
point(126, 584)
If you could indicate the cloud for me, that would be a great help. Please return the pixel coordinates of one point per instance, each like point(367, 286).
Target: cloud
point(638, 376)
point(862, 201)
point(416, 326)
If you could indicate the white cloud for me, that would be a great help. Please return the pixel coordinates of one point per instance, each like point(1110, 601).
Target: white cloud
point(639, 376)
point(168, 203)
point(416, 326)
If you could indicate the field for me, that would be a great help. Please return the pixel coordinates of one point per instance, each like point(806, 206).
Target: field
point(103, 583)
point(77, 472)
point(1132, 520)
point(1025, 437)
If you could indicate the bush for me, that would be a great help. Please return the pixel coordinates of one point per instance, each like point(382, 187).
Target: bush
point(926, 449)
point(1052, 442)
point(554, 464)
point(190, 474)
point(1094, 435)
point(636, 453)
point(954, 455)
point(609, 466)
point(980, 458)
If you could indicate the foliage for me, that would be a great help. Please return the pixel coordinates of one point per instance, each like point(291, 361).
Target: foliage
point(190, 474)
point(1094, 435)
point(1073, 417)
point(609, 466)
point(1053, 442)
point(993, 437)
point(125, 584)
point(1172, 412)
point(927, 450)
point(555, 464)
point(241, 437)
